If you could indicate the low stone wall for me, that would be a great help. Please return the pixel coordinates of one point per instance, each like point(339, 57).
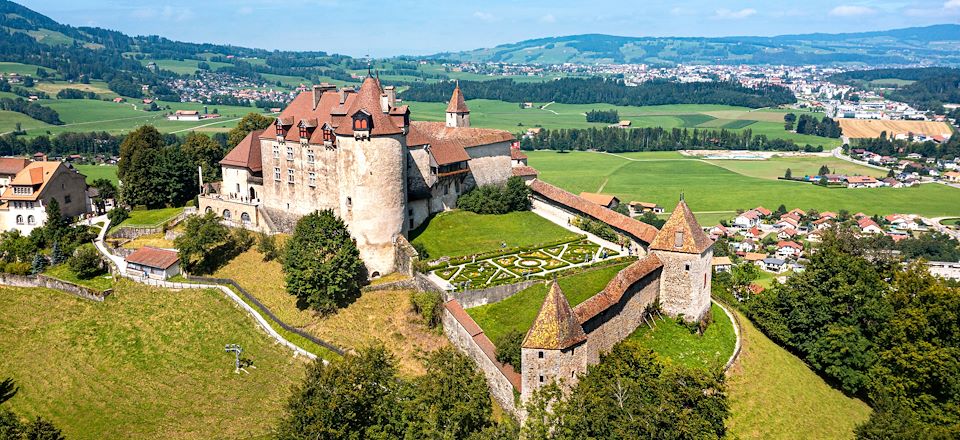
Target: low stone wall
point(475, 298)
point(131, 233)
point(53, 283)
point(466, 335)
point(407, 256)
point(417, 282)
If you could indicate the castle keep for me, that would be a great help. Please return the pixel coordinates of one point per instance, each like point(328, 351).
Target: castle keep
point(357, 152)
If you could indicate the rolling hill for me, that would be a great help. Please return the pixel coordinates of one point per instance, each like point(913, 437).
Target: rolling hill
point(939, 44)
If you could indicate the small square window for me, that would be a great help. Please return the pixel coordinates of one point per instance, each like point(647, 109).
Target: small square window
point(290, 174)
point(276, 174)
point(541, 379)
point(540, 355)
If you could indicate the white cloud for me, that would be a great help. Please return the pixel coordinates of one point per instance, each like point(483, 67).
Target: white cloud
point(952, 4)
point(726, 14)
point(679, 11)
point(484, 16)
point(549, 18)
point(851, 11)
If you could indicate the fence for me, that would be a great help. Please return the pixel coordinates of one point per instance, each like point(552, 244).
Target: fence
point(265, 310)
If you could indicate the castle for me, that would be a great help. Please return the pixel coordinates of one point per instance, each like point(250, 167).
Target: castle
point(357, 152)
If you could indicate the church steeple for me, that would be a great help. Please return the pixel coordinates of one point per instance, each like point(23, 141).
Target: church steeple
point(458, 115)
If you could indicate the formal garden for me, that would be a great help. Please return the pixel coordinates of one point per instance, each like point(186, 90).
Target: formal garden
point(512, 265)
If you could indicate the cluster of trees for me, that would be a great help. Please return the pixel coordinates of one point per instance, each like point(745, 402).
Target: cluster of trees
point(932, 86)
point(51, 244)
point(69, 93)
point(606, 91)
point(631, 394)
point(876, 330)
point(808, 124)
point(12, 428)
point(206, 243)
point(322, 263)
point(156, 174)
point(514, 195)
point(656, 139)
point(31, 109)
point(888, 146)
point(605, 116)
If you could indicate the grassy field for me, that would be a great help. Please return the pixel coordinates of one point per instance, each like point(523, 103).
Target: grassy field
point(384, 317)
point(509, 116)
point(773, 395)
point(54, 87)
point(518, 311)
point(951, 222)
point(457, 233)
point(94, 172)
point(676, 343)
point(146, 363)
point(63, 272)
point(710, 188)
point(799, 167)
point(150, 217)
point(18, 68)
point(9, 120)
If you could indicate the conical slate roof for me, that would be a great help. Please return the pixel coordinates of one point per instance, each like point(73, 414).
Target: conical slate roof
point(556, 327)
point(457, 103)
point(681, 233)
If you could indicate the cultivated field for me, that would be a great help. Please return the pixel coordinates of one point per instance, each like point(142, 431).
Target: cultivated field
point(509, 116)
point(146, 363)
point(717, 192)
point(799, 167)
point(868, 128)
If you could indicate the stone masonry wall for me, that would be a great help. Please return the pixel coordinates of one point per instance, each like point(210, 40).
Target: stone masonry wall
point(620, 320)
point(52, 283)
point(682, 291)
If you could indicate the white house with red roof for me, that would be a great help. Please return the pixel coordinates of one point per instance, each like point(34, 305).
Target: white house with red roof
point(868, 226)
point(356, 152)
point(789, 249)
point(748, 219)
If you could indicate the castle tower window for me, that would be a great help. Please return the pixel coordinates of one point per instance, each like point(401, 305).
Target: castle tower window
point(313, 179)
point(310, 156)
point(687, 267)
point(276, 151)
point(289, 153)
point(30, 220)
point(276, 174)
point(290, 174)
point(540, 355)
point(361, 124)
point(328, 136)
point(541, 379)
point(349, 202)
point(303, 132)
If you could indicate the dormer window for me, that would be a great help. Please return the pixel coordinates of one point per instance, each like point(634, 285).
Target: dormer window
point(279, 127)
point(303, 132)
point(362, 124)
point(328, 136)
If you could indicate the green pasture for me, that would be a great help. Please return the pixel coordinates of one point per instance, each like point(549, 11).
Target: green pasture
point(145, 363)
point(9, 120)
point(63, 272)
point(709, 188)
point(19, 69)
point(150, 217)
point(799, 167)
point(457, 233)
point(182, 67)
point(94, 172)
point(677, 343)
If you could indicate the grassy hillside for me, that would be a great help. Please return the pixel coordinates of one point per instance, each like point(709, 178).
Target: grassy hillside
point(774, 395)
point(146, 363)
point(709, 188)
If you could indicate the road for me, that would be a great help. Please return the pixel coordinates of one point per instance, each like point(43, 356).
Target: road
point(838, 153)
point(936, 222)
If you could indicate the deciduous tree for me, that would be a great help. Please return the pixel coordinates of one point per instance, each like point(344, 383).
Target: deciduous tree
point(322, 262)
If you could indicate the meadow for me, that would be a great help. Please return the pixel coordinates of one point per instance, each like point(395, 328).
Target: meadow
point(712, 189)
point(94, 172)
point(145, 363)
point(457, 233)
point(509, 116)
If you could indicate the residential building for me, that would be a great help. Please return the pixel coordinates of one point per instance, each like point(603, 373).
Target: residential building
point(23, 203)
point(155, 263)
point(605, 200)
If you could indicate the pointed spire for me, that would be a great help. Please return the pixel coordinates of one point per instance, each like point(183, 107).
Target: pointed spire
point(457, 103)
point(681, 232)
point(556, 326)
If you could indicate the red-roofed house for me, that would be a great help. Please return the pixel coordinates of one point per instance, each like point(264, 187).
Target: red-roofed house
point(868, 226)
point(763, 211)
point(861, 182)
point(604, 200)
point(151, 262)
point(748, 219)
point(790, 249)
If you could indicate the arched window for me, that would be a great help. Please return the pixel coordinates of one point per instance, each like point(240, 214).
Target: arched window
point(245, 218)
point(361, 123)
point(31, 220)
point(209, 209)
point(226, 214)
point(253, 194)
point(19, 219)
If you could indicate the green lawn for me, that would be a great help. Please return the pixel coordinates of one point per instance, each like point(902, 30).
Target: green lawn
point(9, 120)
point(774, 395)
point(951, 222)
point(799, 167)
point(145, 363)
point(19, 69)
point(518, 311)
point(94, 172)
point(676, 343)
point(63, 272)
point(150, 217)
point(709, 188)
point(456, 233)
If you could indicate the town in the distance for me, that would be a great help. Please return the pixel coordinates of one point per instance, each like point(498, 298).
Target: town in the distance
point(573, 236)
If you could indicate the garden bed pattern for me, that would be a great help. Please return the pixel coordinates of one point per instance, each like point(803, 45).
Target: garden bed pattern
point(520, 266)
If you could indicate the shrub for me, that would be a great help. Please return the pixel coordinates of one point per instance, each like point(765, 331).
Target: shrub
point(117, 215)
point(268, 246)
point(17, 268)
point(242, 240)
point(594, 227)
point(85, 262)
point(39, 264)
point(421, 251)
point(508, 348)
point(427, 304)
point(497, 199)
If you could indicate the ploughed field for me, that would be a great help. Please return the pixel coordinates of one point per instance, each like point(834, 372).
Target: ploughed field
point(714, 191)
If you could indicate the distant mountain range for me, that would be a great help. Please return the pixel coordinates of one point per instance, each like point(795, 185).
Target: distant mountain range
point(938, 44)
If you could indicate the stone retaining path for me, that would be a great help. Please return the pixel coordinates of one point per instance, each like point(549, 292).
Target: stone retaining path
point(121, 266)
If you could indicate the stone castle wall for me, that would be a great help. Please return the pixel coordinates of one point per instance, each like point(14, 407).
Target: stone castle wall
point(489, 165)
point(620, 320)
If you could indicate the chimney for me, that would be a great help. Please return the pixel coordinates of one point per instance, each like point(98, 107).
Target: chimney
point(317, 92)
point(391, 93)
point(384, 103)
point(344, 92)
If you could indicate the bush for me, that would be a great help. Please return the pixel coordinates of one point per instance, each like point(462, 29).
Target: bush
point(85, 262)
point(17, 268)
point(117, 215)
point(594, 227)
point(268, 246)
point(242, 240)
point(421, 249)
point(427, 304)
point(508, 348)
point(497, 199)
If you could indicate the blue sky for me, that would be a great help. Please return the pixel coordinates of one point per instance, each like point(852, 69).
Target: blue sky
point(385, 28)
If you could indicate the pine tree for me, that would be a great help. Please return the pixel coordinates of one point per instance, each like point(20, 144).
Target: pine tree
point(788, 174)
point(823, 170)
point(39, 264)
point(56, 255)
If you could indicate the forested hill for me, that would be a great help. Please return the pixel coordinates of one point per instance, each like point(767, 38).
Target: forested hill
point(598, 90)
point(938, 44)
point(931, 88)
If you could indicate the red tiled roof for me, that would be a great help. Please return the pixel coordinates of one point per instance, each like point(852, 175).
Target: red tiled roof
point(636, 228)
point(600, 199)
point(449, 144)
point(153, 257)
point(616, 288)
point(516, 154)
point(525, 171)
point(247, 153)
point(791, 244)
point(867, 222)
point(455, 309)
point(682, 224)
point(368, 100)
point(457, 103)
point(762, 210)
point(12, 165)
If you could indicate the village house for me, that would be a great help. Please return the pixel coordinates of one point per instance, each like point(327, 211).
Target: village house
point(775, 265)
point(754, 257)
point(861, 182)
point(24, 201)
point(868, 226)
point(787, 233)
point(185, 115)
point(155, 263)
point(718, 231)
point(641, 207)
point(748, 219)
point(763, 211)
point(722, 264)
point(952, 176)
point(9, 167)
point(789, 249)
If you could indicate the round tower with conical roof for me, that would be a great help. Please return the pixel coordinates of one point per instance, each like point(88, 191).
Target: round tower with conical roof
point(686, 253)
point(458, 114)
